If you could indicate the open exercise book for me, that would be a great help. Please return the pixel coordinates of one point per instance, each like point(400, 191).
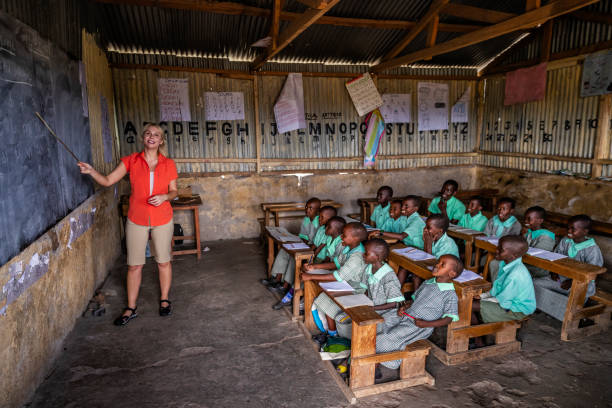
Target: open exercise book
point(465, 276)
point(491, 239)
point(468, 231)
point(544, 254)
point(414, 254)
point(282, 234)
point(295, 247)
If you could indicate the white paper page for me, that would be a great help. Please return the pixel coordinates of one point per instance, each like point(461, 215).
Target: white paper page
point(364, 94)
point(467, 276)
point(433, 106)
point(354, 301)
point(224, 105)
point(396, 108)
point(493, 240)
point(289, 107)
point(294, 247)
point(460, 111)
point(173, 96)
point(549, 256)
point(336, 286)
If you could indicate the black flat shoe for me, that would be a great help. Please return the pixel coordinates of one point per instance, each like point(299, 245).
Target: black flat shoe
point(165, 311)
point(123, 320)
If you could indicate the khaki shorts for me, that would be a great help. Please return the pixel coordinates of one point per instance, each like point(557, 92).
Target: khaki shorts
point(493, 312)
point(137, 236)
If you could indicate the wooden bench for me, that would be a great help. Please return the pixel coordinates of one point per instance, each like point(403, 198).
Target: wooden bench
point(363, 349)
point(581, 274)
point(459, 333)
point(275, 209)
point(597, 227)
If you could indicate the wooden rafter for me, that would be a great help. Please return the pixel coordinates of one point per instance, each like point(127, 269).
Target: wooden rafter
point(420, 26)
point(546, 40)
point(296, 28)
point(476, 13)
point(523, 42)
point(232, 8)
point(275, 23)
point(432, 32)
point(592, 16)
point(314, 4)
point(524, 21)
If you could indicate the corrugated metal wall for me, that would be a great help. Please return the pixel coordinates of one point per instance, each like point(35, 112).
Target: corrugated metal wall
point(544, 133)
point(333, 139)
point(99, 83)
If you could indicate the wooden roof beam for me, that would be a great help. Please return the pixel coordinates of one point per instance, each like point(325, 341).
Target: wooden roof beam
point(296, 28)
point(476, 13)
point(524, 21)
point(432, 13)
point(232, 8)
point(275, 23)
point(592, 17)
point(314, 4)
point(432, 32)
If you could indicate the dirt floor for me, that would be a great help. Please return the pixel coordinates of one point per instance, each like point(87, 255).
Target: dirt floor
point(224, 346)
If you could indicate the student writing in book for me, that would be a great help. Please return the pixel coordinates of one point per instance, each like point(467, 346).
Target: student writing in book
point(504, 222)
point(333, 247)
point(381, 211)
point(434, 304)
point(381, 285)
point(512, 296)
point(473, 218)
point(349, 268)
point(318, 244)
point(576, 245)
point(281, 275)
point(446, 202)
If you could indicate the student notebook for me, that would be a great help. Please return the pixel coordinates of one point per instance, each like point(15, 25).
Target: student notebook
point(414, 254)
point(544, 254)
point(296, 247)
point(467, 276)
point(336, 286)
point(354, 301)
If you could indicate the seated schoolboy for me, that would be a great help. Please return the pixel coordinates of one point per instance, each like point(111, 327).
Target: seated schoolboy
point(381, 285)
point(504, 223)
point(318, 243)
point(434, 304)
point(333, 247)
point(350, 269)
point(473, 218)
point(446, 202)
point(412, 234)
point(435, 242)
point(577, 245)
point(284, 262)
point(512, 296)
point(396, 223)
point(381, 211)
point(537, 237)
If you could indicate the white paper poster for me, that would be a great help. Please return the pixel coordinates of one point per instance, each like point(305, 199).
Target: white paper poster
point(597, 74)
point(396, 108)
point(174, 99)
point(433, 106)
point(289, 107)
point(460, 110)
point(364, 94)
point(224, 105)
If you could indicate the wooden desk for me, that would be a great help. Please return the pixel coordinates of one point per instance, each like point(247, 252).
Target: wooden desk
point(597, 227)
point(367, 206)
point(276, 208)
point(459, 333)
point(301, 255)
point(580, 273)
point(363, 349)
point(192, 203)
point(468, 237)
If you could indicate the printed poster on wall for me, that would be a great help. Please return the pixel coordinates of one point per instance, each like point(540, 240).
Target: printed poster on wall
point(224, 105)
point(460, 113)
point(396, 108)
point(364, 94)
point(597, 74)
point(289, 107)
point(433, 106)
point(525, 85)
point(173, 95)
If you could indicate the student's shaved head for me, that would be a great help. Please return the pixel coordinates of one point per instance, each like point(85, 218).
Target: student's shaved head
point(516, 244)
point(331, 211)
point(439, 221)
point(537, 210)
point(387, 189)
point(379, 247)
point(583, 220)
point(336, 223)
point(314, 201)
point(456, 261)
point(414, 201)
point(356, 229)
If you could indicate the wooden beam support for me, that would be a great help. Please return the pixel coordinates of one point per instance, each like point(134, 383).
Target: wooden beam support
point(476, 13)
point(432, 13)
point(525, 41)
point(546, 41)
point(525, 21)
point(602, 141)
point(432, 32)
point(234, 9)
point(592, 17)
point(314, 4)
point(275, 23)
point(532, 4)
point(296, 28)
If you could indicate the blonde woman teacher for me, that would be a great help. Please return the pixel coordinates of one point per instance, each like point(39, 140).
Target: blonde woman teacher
point(153, 183)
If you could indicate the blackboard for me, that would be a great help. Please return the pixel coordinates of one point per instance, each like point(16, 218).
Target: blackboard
point(39, 181)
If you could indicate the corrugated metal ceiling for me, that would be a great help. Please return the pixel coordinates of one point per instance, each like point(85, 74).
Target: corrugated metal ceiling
point(144, 30)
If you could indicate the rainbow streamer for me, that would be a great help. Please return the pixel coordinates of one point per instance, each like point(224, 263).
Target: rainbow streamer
point(374, 133)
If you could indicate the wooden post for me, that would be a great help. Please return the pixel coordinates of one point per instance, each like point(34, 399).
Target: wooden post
point(363, 344)
point(480, 97)
point(257, 128)
point(602, 138)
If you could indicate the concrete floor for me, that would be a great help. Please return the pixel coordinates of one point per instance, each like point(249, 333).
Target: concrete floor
point(225, 347)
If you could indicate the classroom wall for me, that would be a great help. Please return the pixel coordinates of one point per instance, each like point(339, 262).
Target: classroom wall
point(49, 284)
point(232, 203)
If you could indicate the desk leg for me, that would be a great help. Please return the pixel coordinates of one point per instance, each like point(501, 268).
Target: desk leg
point(363, 212)
point(363, 343)
point(297, 285)
point(270, 254)
point(196, 226)
point(476, 259)
point(485, 272)
point(468, 254)
point(455, 343)
point(276, 219)
point(575, 302)
point(311, 290)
